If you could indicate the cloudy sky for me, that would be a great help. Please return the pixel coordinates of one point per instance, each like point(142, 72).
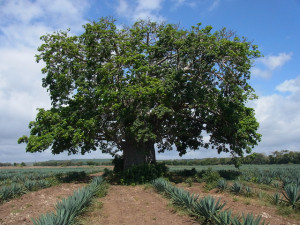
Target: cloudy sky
point(274, 25)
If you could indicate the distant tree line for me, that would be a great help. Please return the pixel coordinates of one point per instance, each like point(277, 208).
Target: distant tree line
point(5, 164)
point(72, 163)
point(277, 157)
point(12, 164)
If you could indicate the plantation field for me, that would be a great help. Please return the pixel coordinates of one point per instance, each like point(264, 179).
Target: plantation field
point(243, 167)
point(250, 190)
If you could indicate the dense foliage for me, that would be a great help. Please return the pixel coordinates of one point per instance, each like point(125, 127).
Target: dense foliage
point(149, 84)
point(137, 174)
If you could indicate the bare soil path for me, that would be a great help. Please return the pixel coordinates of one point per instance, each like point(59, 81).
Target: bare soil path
point(134, 205)
point(20, 211)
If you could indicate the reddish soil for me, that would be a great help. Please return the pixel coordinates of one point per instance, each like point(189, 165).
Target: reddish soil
point(239, 205)
point(134, 205)
point(32, 205)
point(129, 205)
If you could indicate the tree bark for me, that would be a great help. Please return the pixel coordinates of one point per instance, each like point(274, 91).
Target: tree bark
point(135, 153)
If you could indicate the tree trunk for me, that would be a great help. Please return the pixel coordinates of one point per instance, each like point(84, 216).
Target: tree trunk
point(135, 153)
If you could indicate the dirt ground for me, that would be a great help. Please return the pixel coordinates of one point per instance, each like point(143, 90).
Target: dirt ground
point(20, 211)
point(124, 205)
point(127, 205)
point(239, 205)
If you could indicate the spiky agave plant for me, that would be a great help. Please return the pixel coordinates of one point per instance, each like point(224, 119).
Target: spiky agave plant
point(276, 185)
point(248, 191)
point(249, 219)
point(69, 208)
point(291, 193)
point(208, 208)
point(30, 185)
point(97, 180)
point(222, 184)
point(160, 184)
point(43, 184)
point(237, 187)
point(276, 198)
point(183, 198)
point(223, 218)
point(267, 180)
point(5, 193)
point(49, 219)
point(17, 190)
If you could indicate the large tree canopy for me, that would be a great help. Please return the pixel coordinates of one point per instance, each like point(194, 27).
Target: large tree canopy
point(142, 86)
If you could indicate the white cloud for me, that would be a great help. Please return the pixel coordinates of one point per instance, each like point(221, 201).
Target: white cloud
point(270, 64)
point(122, 8)
point(19, 11)
point(275, 61)
point(215, 4)
point(149, 4)
point(279, 118)
point(180, 3)
point(292, 86)
point(23, 22)
point(140, 9)
point(21, 25)
point(261, 73)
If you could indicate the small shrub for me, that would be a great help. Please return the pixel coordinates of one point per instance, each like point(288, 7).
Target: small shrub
point(139, 174)
point(71, 176)
point(230, 174)
point(235, 199)
point(107, 172)
point(189, 181)
point(210, 176)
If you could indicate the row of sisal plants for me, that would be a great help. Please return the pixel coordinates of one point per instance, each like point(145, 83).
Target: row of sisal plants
point(69, 208)
point(16, 183)
point(286, 175)
point(288, 194)
point(285, 181)
point(208, 209)
point(20, 175)
point(16, 190)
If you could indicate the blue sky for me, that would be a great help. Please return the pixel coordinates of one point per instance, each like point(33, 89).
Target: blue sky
point(273, 25)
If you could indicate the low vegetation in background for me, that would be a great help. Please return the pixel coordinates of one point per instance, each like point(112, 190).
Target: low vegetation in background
point(16, 182)
point(277, 157)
